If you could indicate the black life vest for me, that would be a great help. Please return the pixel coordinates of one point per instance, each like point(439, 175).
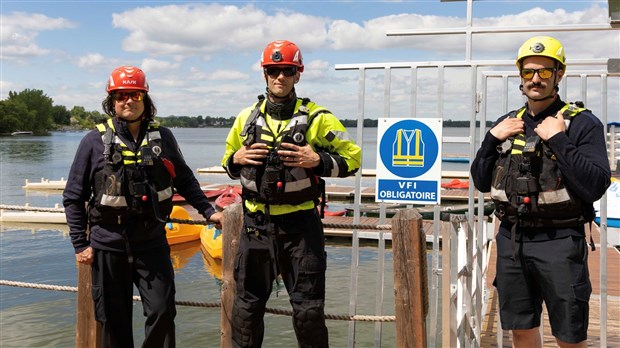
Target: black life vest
point(528, 187)
point(131, 184)
point(273, 182)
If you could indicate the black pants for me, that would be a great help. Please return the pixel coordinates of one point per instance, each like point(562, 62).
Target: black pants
point(113, 278)
point(292, 245)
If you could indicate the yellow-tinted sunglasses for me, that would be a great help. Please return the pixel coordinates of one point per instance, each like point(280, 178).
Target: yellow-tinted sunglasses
point(544, 73)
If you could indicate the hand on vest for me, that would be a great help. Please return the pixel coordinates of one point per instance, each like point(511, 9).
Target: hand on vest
point(551, 126)
point(298, 156)
point(254, 154)
point(508, 127)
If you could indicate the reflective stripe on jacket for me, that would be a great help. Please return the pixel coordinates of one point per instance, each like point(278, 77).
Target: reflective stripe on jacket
point(527, 185)
point(340, 156)
point(131, 183)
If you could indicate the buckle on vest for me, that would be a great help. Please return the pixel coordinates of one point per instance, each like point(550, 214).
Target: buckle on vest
point(524, 167)
point(532, 146)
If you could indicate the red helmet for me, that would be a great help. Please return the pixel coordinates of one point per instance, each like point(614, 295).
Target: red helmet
point(282, 52)
point(127, 77)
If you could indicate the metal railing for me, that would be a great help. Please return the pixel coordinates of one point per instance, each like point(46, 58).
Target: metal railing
point(466, 297)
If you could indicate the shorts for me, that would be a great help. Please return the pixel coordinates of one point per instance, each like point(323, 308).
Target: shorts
point(554, 271)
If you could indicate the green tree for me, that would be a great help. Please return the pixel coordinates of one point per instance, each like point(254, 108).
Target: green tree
point(35, 100)
point(81, 118)
point(61, 115)
point(14, 116)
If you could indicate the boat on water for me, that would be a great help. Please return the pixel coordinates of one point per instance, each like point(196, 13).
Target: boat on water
point(45, 184)
point(40, 217)
point(456, 184)
point(21, 133)
point(211, 192)
point(329, 212)
point(177, 233)
point(211, 240)
point(230, 195)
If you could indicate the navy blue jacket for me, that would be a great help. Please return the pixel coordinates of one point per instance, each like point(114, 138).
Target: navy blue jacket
point(581, 153)
point(142, 234)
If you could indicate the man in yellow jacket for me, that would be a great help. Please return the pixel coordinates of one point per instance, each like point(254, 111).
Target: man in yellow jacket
point(279, 148)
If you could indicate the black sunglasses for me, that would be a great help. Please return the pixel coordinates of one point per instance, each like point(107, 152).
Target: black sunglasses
point(275, 71)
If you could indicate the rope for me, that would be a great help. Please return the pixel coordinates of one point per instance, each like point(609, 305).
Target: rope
point(388, 318)
point(205, 222)
point(328, 225)
point(29, 208)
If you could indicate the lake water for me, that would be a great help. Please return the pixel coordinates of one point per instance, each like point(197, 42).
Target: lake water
point(43, 254)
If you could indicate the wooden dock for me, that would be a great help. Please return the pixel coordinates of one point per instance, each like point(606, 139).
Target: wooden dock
point(342, 193)
point(489, 327)
point(490, 323)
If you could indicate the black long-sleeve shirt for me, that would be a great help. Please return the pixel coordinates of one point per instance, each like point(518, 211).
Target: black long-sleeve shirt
point(581, 154)
point(79, 189)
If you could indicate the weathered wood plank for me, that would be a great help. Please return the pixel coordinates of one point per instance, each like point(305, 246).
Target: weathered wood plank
point(410, 285)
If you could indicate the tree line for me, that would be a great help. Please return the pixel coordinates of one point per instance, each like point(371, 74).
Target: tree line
point(32, 110)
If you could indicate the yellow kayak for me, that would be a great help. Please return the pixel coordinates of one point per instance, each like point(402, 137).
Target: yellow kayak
point(211, 239)
point(181, 233)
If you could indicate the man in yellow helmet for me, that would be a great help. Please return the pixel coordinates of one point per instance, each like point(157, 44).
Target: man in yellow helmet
point(544, 164)
point(279, 148)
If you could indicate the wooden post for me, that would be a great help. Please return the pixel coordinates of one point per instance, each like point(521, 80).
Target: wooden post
point(410, 278)
point(87, 329)
point(233, 223)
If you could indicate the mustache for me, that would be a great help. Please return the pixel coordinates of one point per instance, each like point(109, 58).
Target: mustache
point(536, 84)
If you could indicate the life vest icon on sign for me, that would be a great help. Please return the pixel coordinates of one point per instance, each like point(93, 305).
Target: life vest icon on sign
point(408, 148)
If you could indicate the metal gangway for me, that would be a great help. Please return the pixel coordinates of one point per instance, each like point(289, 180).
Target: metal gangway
point(458, 291)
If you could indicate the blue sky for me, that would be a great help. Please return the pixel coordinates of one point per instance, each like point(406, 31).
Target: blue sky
point(201, 57)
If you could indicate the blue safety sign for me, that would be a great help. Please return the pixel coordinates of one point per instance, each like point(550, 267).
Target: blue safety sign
point(408, 160)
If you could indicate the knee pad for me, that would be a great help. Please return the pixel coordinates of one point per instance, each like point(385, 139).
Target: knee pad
point(309, 323)
point(247, 323)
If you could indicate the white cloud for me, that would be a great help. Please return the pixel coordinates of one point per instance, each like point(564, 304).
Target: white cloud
point(203, 57)
point(90, 60)
point(151, 65)
point(199, 29)
point(19, 31)
point(228, 75)
point(315, 69)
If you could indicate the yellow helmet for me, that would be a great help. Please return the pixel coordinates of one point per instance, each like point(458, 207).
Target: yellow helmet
point(545, 46)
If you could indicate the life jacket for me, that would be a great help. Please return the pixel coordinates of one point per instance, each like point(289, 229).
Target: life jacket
point(273, 182)
point(528, 187)
point(131, 184)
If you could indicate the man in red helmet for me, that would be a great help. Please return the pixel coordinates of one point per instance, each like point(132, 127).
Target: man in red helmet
point(120, 190)
point(279, 148)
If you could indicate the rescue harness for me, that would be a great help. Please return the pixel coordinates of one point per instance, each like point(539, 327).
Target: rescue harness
point(528, 188)
point(273, 182)
point(131, 184)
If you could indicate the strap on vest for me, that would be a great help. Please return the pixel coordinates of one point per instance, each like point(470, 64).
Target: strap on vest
point(107, 143)
point(591, 239)
point(250, 125)
point(323, 201)
point(155, 203)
